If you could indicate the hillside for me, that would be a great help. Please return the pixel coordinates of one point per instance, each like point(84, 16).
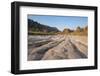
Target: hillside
point(36, 27)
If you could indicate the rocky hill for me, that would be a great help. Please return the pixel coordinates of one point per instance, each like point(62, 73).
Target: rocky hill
point(34, 26)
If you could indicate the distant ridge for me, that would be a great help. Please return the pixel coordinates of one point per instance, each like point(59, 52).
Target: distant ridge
point(34, 26)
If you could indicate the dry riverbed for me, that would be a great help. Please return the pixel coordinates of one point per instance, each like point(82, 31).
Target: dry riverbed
point(57, 47)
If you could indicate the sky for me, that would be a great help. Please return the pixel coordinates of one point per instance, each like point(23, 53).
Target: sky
point(60, 22)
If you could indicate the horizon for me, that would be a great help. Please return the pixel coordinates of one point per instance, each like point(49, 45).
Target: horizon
point(61, 22)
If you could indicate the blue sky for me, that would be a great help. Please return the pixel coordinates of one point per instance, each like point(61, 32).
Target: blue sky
point(60, 22)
